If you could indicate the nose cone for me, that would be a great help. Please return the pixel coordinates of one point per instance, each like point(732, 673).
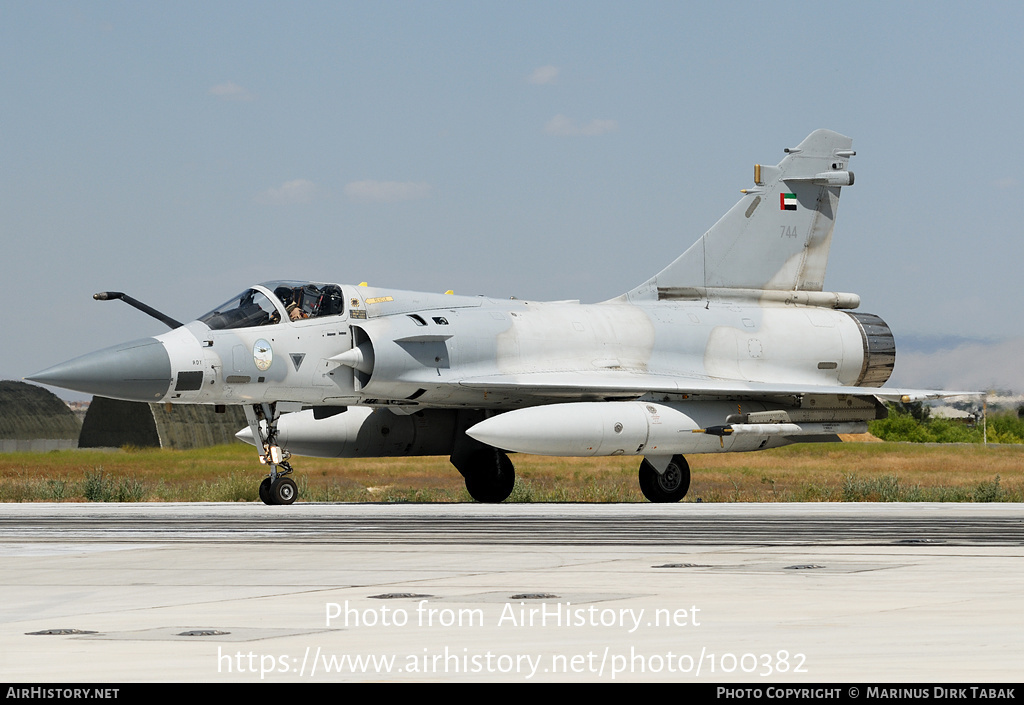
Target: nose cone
point(135, 371)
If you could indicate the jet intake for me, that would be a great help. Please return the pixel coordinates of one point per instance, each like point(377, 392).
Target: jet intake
point(392, 357)
point(359, 358)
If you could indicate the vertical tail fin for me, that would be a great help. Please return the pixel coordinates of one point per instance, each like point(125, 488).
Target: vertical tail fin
point(778, 236)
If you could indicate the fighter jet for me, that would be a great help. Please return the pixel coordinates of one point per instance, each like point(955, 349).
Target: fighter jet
point(734, 346)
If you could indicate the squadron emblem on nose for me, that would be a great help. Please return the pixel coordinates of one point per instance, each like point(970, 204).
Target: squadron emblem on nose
point(262, 354)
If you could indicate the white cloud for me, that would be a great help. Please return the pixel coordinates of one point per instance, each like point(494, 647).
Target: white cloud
point(971, 366)
point(567, 127)
point(543, 75)
point(289, 193)
point(370, 191)
point(230, 91)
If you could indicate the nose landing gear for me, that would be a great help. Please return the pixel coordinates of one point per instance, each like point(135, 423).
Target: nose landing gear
point(276, 488)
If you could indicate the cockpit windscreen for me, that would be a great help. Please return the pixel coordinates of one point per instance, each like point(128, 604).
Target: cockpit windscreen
point(300, 300)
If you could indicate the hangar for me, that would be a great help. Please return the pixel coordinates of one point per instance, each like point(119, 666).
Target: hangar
point(112, 423)
point(35, 419)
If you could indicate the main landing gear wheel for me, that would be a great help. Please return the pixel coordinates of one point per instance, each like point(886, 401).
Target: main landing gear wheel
point(669, 486)
point(490, 476)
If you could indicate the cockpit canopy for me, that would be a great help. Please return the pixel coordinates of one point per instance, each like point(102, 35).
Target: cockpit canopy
point(272, 302)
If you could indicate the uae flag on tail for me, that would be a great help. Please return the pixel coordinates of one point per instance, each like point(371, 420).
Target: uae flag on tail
point(787, 201)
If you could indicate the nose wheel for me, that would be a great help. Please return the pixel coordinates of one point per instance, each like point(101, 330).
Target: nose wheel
point(276, 488)
point(283, 491)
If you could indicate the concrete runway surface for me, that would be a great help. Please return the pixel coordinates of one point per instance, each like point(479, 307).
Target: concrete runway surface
point(753, 593)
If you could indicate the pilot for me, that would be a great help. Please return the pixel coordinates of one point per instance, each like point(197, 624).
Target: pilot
point(290, 298)
point(283, 293)
point(294, 306)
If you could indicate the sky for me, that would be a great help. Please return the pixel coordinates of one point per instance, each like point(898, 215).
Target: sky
point(546, 150)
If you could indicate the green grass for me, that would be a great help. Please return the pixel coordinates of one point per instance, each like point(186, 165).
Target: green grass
point(876, 472)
